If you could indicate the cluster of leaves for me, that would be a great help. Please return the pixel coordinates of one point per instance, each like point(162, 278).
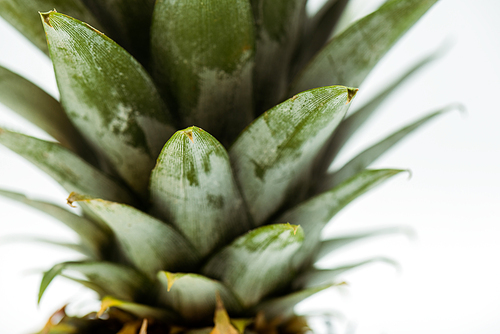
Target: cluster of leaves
point(170, 218)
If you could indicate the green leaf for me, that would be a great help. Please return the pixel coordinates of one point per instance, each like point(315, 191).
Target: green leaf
point(193, 188)
point(23, 15)
point(365, 158)
point(91, 236)
point(193, 296)
point(272, 158)
point(330, 245)
point(139, 310)
point(147, 242)
point(69, 170)
point(203, 54)
point(113, 103)
point(279, 26)
point(29, 239)
point(258, 262)
point(319, 29)
point(282, 307)
point(320, 277)
point(349, 57)
point(41, 109)
point(117, 280)
point(353, 122)
point(129, 21)
point(314, 214)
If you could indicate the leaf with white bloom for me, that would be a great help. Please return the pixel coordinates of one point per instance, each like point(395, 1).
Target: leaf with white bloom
point(258, 262)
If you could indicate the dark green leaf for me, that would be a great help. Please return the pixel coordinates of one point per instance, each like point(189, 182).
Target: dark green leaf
point(41, 109)
point(320, 277)
point(279, 26)
point(139, 310)
point(129, 21)
point(92, 237)
point(203, 54)
point(365, 158)
point(114, 279)
point(194, 296)
point(192, 187)
point(272, 158)
point(147, 242)
point(354, 121)
point(69, 170)
point(258, 262)
point(330, 245)
point(350, 56)
point(109, 96)
point(23, 15)
point(315, 213)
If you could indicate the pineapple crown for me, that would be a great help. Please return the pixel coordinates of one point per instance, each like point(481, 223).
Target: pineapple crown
point(223, 217)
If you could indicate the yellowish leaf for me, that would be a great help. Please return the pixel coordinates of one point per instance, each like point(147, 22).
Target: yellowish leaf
point(221, 320)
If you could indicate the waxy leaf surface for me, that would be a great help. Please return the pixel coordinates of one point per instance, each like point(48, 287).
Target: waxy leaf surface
point(193, 188)
point(203, 54)
point(150, 244)
point(109, 97)
point(273, 157)
point(258, 262)
point(69, 170)
point(349, 57)
point(193, 296)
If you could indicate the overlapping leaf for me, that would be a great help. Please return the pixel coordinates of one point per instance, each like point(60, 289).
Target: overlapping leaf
point(279, 26)
point(109, 97)
point(275, 153)
point(192, 187)
point(207, 66)
point(69, 170)
point(349, 57)
point(193, 295)
point(23, 15)
point(258, 262)
point(147, 242)
point(315, 213)
point(139, 310)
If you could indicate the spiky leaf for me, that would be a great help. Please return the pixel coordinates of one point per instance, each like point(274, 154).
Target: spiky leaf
point(193, 295)
point(258, 262)
point(207, 66)
point(64, 166)
point(192, 187)
point(272, 158)
point(139, 310)
point(111, 100)
point(150, 244)
point(350, 56)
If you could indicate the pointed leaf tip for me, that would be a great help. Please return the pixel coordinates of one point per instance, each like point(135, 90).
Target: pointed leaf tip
point(221, 319)
point(351, 92)
point(46, 17)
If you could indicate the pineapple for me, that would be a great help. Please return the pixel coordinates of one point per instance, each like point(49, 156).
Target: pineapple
point(197, 136)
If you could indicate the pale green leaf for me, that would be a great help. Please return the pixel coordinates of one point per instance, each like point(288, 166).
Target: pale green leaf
point(282, 307)
point(109, 97)
point(91, 236)
point(273, 157)
point(319, 277)
point(114, 279)
point(365, 158)
point(349, 57)
point(150, 244)
point(41, 109)
point(356, 119)
point(23, 15)
point(129, 20)
point(203, 54)
point(193, 296)
point(64, 166)
point(279, 26)
point(258, 262)
point(30, 239)
point(314, 214)
point(193, 188)
point(330, 245)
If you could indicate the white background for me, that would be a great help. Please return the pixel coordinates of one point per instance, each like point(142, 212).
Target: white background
point(449, 280)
